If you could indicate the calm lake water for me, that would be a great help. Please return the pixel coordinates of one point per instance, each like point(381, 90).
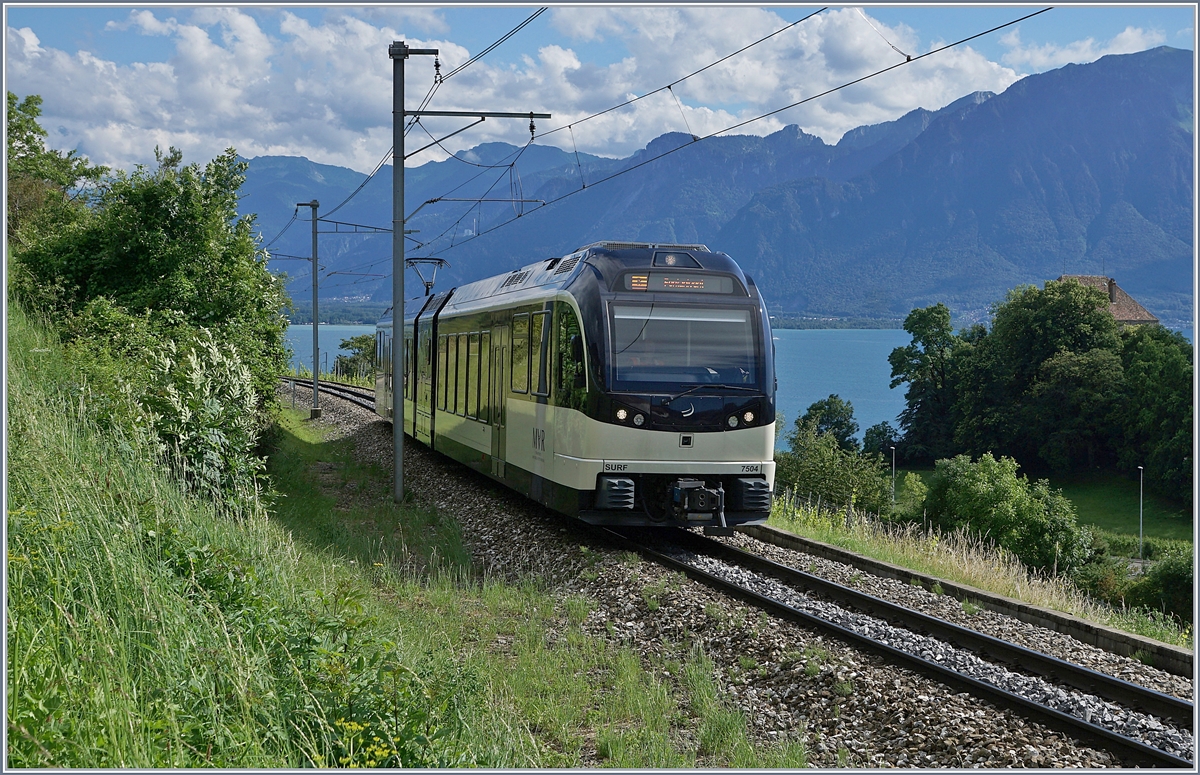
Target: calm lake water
point(853, 363)
point(810, 364)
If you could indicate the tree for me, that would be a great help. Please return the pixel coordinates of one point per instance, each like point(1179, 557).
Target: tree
point(1154, 412)
point(171, 239)
point(997, 406)
point(987, 498)
point(361, 359)
point(833, 416)
point(880, 438)
point(818, 464)
point(1073, 401)
point(926, 366)
point(38, 177)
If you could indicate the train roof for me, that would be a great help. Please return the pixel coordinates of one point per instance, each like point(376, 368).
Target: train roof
point(608, 258)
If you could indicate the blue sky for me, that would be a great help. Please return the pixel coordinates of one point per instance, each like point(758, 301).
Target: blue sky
point(315, 81)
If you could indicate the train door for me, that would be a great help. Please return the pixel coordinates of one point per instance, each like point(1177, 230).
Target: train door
point(424, 357)
point(500, 345)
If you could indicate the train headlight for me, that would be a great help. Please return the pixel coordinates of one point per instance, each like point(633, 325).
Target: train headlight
point(748, 417)
point(639, 420)
point(732, 422)
point(622, 414)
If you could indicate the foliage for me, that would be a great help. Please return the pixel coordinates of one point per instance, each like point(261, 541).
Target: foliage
point(168, 239)
point(1055, 384)
point(817, 464)
point(202, 407)
point(925, 365)
point(881, 437)
point(1154, 411)
point(987, 498)
point(40, 180)
point(910, 497)
point(1167, 586)
point(833, 416)
point(361, 360)
point(997, 402)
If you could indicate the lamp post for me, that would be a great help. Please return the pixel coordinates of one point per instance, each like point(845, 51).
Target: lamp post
point(893, 477)
point(1141, 481)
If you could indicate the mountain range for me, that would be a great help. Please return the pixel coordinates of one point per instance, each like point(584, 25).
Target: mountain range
point(1087, 169)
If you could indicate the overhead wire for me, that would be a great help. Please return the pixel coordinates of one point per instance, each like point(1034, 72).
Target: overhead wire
point(489, 49)
point(678, 81)
point(570, 126)
point(760, 117)
point(438, 79)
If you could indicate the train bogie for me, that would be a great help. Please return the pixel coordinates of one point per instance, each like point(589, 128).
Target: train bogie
point(622, 384)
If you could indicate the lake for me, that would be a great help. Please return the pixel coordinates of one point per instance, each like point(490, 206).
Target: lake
point(811, 364)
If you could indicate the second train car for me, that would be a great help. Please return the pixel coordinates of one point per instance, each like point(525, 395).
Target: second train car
point(623, 384)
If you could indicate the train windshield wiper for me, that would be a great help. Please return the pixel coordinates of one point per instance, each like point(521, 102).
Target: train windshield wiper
point(716, 386)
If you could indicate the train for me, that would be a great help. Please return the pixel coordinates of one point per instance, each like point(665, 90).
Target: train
point(626, 383)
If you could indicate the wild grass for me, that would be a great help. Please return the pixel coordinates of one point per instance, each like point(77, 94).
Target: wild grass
point(959, 557)
point(148, 629)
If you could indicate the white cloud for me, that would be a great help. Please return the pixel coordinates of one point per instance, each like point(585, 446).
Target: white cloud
point(1050, 55)
point(279, 83)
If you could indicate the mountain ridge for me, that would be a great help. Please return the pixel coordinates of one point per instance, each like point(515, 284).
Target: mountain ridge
point(1080, 170)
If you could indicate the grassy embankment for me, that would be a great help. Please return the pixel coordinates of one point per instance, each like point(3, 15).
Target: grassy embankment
point(147, 630)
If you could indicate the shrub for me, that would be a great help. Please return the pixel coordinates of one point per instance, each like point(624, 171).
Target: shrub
point(1166, 586)
point(1028, 519)
point(817, 464)
point(202, 407)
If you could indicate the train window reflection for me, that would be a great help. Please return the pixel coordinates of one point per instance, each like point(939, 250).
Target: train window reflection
point(657, 343)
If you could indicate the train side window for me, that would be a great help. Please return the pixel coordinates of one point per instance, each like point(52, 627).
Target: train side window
point(410, 368)
point(485, 375)
point(451, 372)
point(460, 404)
point(441, 373)
point(520, 353)
point(540, 343)
point(571, 383)
point(473, 375)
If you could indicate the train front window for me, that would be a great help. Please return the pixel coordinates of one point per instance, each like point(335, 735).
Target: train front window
point(662, 346)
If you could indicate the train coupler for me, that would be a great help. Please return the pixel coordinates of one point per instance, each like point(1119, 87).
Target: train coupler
point(692, 502)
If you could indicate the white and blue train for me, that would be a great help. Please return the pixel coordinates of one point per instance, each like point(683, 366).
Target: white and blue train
point(623, 384)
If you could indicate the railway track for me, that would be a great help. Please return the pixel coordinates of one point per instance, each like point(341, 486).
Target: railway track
point(1105, 712)
point(364, 397)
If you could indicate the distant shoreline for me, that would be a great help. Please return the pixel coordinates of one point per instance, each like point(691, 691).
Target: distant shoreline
point(805, 323)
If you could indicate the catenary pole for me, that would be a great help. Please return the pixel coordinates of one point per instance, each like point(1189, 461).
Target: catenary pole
point(398, 51)
point(315, 412)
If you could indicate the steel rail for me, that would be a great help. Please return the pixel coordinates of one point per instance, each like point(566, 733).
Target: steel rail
point(1133, 752)
point(352, 393)
point(995, 649)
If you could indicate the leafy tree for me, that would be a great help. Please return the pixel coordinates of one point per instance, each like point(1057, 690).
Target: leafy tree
point(818, 464)
point(833, 416)
point(926, 366)
point(1154, 413)
point(880, 438)
point(361, 359)
point(996, 406)
point(1028, 519)
point(39, 178)
point(171, 239)
point(1072, 408)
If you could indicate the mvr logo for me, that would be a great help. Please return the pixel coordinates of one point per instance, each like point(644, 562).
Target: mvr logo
point(539, 439)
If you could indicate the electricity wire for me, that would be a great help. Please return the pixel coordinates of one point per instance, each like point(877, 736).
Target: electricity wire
point(488, 50)
point(760, 117)
point(689, 75)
